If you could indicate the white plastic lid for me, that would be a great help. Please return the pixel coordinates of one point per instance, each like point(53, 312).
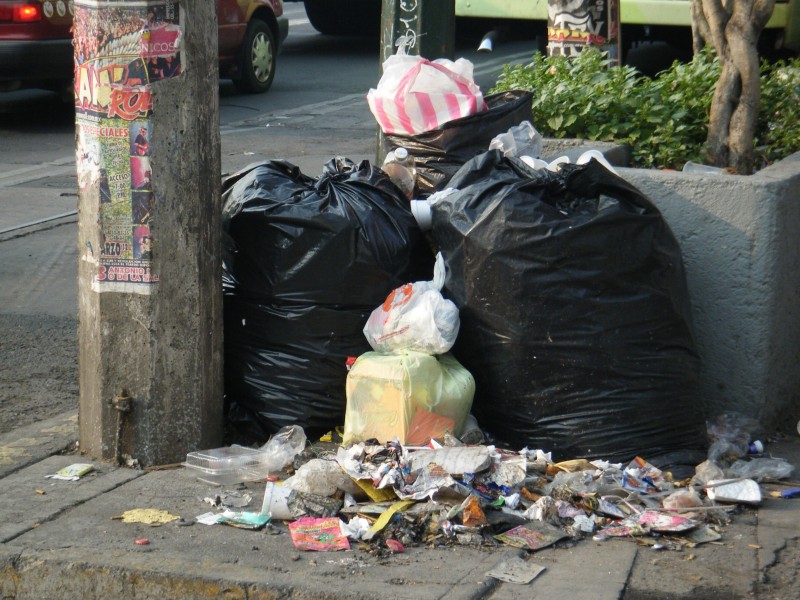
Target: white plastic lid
point(400, 153)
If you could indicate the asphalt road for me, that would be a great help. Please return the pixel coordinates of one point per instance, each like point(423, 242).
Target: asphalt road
point(315, 110)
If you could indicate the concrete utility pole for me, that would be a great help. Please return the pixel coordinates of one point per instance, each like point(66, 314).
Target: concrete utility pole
point(431, 24)
point(149, 275)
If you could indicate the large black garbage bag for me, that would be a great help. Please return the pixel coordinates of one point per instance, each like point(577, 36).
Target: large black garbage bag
point(441, 152)
point(574, 312)
point(306, 262)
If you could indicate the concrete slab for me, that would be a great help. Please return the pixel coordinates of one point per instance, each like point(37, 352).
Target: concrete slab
point(28, 445)
point(597, 570)
point(30, 499)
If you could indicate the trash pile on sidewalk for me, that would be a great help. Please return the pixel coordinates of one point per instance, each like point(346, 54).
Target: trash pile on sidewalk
point(557, 317)
point(384, 498)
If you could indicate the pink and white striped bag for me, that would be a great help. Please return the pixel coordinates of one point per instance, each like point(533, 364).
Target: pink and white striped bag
point(415, 95)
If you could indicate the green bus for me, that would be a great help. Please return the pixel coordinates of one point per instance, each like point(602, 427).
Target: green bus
point(642, 20)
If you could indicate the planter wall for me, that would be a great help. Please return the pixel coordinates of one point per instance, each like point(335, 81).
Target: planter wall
point(741, 247)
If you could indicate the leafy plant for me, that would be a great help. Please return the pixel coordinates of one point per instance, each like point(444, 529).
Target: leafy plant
point(664, 120)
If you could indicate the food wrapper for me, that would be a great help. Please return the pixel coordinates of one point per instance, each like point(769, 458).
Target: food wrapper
point(321, 535)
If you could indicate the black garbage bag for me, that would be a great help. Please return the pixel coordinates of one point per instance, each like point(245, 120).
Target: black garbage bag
point(441, 152)
point(574, 312)
point(306, 261)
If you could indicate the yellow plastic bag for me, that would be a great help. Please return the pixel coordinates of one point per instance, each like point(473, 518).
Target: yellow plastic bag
point(385, 391)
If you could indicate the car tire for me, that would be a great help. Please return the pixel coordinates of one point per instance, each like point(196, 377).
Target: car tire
point(359, 18)
point(258, 59)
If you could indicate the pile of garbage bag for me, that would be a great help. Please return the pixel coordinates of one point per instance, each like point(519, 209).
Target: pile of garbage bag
point(306, 261)
point(574, 311)
point(561, 286)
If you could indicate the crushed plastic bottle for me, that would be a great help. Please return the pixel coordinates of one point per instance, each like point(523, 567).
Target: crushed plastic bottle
point(693, 167)
point(400, 166)
point(729, 435)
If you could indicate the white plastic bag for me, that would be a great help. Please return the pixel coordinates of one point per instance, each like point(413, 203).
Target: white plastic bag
point(415, 317)
point(519, 140)
point(415, 95)
point(283, 446)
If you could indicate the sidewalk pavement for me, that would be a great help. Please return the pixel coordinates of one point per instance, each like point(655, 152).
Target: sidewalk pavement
point(59, 540)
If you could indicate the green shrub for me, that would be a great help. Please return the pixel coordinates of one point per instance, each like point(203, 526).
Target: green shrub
point(664, 119)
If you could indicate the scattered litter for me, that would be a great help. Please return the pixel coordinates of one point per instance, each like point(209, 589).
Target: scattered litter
point(702, 535)
point(395, 546)
point(740, 491)
point(533, 536)
point(73, 472)
point(761, 468)
point(141, 541)
point(515, 570)
point(41, 492)
point(148, 516)
point(243, 520)
point(209, 518)
point(232, 500)
point(283, 503)
point(321, 535)
point(791, 493)
point(228, 465)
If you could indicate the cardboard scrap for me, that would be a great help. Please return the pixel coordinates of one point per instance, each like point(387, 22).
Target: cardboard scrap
point(702, 535)
point(455, 460)
point(148, 516)
point(73, 472)
point(515, 570)
point(320, 535)
point(647, 521)
point(740, 491)
point(532, 536)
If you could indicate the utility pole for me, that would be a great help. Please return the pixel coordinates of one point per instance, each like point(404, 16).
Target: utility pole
point(431, 27)
point(149, 273)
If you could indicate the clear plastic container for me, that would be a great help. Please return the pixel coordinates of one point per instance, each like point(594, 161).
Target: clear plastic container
point(232, 464)
point(400, 166)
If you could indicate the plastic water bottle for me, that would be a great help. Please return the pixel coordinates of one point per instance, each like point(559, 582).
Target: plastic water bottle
point(399, 166)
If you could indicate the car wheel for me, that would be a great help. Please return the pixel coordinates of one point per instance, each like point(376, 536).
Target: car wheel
point(258, 59)
point(361, 18)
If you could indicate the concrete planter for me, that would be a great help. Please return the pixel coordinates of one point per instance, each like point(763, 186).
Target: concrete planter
point(740, 244)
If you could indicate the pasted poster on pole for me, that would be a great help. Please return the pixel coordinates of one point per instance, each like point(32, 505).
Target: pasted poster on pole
point(574, 24)
point(121, 48)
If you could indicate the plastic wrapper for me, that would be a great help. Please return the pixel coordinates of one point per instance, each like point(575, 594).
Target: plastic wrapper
point(305, 262)
point(707, 471)
point(729, 435)
point(684, 498)
point(385, 393)
point(415, 317)
point(574, 312)
point(322, 477)
point(282, 447)
point(761, 468)
point(321, 535)
point(439, 153)
point(519, 140)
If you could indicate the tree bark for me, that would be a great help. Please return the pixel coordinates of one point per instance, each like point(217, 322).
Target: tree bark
point(732, 28)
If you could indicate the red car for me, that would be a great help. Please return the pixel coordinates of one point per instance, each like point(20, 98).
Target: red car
point(36, 45)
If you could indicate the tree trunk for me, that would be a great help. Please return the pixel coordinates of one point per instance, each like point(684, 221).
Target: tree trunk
point(733, 28)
